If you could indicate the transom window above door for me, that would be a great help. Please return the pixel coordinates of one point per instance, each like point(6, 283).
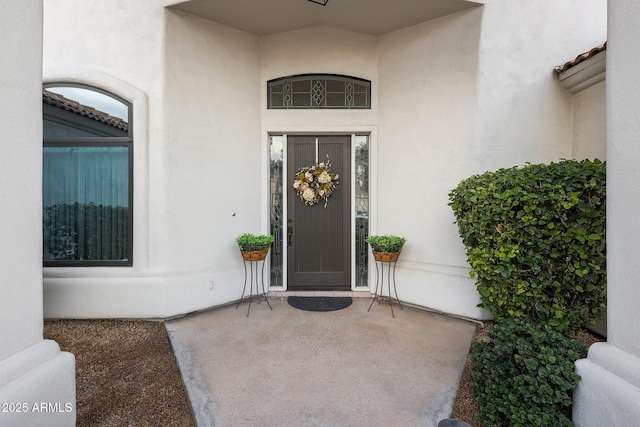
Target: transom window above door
point(318, 91)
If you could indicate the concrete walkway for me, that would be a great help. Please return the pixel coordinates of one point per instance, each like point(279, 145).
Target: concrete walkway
point(350, 367)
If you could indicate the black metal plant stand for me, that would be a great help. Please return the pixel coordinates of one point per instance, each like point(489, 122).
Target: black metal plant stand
point(253, 259)
point(389, 260)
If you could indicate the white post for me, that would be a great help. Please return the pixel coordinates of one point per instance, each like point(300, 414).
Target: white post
point(37, 381)
point(609, 392)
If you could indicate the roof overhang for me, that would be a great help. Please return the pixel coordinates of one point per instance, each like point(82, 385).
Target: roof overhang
point(585, 71)
point(372, 17)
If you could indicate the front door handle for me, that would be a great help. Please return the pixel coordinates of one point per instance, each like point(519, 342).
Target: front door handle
point(289, 234)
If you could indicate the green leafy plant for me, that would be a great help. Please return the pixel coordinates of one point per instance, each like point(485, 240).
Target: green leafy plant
point(524, 376)
point(251, 242)
point(535, 240)
point(386, 243)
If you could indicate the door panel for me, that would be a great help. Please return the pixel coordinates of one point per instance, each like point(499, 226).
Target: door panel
point(319, 238)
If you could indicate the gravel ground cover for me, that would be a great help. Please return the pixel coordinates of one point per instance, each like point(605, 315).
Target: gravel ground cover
point(126, 374)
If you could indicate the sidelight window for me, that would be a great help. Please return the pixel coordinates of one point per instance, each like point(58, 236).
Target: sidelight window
point(362, 209)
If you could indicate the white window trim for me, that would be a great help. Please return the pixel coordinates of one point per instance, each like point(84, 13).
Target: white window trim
point(267, 131)
point(140, 104)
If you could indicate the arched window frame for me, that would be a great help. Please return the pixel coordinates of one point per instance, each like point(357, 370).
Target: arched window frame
point(100, 141)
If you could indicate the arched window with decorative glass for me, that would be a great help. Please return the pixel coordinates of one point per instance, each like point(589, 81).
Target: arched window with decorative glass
point(319, 91)
point(87, 177)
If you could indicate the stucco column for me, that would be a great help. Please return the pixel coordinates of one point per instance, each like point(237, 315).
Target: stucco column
point(37, 381)
point(609, 392)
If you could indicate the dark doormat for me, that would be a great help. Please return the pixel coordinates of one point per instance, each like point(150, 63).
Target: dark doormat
point(319, 303)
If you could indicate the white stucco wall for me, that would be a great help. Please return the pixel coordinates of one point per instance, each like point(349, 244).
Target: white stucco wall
point(589, 123)
point(427, 97)
point(212, 157)
point(523, 114)
point(609, 391)
point(450, 97)
point(108, 46)
point(20, 186)
point(421, 94)
point(195, 91)
point(32, 370)
point(623, 194)
point(317, 50)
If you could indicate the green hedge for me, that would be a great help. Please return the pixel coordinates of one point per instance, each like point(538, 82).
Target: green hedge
point(535, 240)
point(525, 375)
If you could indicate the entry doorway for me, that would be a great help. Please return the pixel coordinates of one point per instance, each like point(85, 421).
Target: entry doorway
point(318, 237)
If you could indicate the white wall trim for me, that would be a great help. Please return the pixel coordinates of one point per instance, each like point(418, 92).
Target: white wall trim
point(39, 373)
point(449, 270)
point(609, 389)
point(616, 361)
point(140, 104)
point(371, 131)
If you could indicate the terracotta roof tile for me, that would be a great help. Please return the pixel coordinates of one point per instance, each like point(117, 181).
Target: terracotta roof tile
point(67, 104)
point(582, 57)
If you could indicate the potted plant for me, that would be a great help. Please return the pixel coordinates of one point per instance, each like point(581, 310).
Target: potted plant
point(254, 247)
point(386, 248)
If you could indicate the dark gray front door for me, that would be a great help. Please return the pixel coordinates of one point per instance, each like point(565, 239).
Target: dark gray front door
point(318, 237)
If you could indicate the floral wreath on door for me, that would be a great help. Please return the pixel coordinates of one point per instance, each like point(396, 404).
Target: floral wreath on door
point(315, 183)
